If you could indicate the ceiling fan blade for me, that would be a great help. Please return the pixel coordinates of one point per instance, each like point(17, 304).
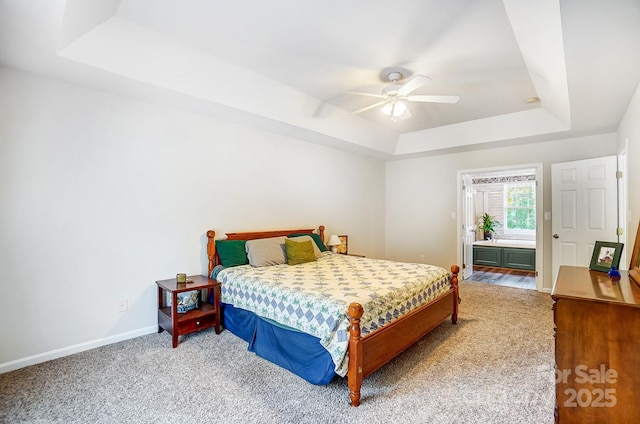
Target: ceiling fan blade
point(359, 93)
point(413, 84)
point(433, 98)
point(369, 107)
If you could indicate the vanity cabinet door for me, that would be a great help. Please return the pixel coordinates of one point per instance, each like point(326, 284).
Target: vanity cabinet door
point(487, 256)
point(519, 258)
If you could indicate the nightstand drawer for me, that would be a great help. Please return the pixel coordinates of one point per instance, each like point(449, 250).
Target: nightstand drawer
point(197, 324)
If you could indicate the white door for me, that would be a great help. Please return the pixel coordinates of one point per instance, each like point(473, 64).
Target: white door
point(469, 227)
point(584, 209)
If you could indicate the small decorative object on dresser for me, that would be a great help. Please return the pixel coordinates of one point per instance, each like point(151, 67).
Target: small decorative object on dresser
point(188, 314)
point(614, 274)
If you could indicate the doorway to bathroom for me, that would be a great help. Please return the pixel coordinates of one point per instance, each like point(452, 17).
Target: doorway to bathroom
point(511, 255)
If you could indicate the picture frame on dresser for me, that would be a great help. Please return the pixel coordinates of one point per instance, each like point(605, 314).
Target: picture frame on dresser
point(606, 255)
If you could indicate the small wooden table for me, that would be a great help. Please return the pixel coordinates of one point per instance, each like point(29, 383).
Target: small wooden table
point(206, 315)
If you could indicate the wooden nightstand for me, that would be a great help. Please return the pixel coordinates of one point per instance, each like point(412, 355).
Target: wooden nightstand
point(206, 315)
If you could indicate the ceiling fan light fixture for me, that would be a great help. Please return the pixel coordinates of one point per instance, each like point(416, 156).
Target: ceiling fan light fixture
point(394, 109)
point(394, 96)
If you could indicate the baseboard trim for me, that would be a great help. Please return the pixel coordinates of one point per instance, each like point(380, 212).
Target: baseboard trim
point(70, 350)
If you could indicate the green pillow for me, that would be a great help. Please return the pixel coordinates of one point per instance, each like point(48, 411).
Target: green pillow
point(232, 252)
point(315, 237)
point(299, 252)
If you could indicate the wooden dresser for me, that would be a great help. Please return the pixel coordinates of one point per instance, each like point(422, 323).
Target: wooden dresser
point(597, 347)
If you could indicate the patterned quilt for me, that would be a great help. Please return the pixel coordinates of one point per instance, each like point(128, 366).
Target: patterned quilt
point(314, 297)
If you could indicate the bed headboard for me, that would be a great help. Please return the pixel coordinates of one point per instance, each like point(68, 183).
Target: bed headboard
point(251, 235)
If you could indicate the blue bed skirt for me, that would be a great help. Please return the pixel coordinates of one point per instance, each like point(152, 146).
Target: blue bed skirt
point(295, 351)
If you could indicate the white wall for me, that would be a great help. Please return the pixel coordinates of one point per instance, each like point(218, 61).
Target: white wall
point(629, 137)
point(421, 195)
point(102, 196)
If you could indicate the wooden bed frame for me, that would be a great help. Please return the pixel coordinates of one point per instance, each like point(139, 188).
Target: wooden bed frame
point(368, 353)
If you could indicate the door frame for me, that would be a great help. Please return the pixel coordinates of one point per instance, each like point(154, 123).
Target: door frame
point(539, 171)
point(623, 196)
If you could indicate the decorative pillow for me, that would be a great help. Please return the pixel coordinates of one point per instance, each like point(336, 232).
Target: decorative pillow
point(216, 270)
point(232, 252)
point(315, 237)
point(266, 251)
point(316, 250)
point(299, 252)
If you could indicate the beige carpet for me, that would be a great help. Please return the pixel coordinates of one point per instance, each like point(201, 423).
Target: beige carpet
point(495, 366)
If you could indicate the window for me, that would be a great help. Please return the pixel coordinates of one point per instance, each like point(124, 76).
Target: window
point(520, 208)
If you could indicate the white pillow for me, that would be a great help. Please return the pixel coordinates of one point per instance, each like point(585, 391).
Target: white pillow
point(266, 251)
point(316, 250)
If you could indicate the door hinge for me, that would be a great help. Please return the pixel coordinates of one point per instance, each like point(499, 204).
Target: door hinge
point(618, 174)
point(619, 231)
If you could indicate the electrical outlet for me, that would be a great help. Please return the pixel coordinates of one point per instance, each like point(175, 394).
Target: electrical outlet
point(421, 258)
point(123, 305)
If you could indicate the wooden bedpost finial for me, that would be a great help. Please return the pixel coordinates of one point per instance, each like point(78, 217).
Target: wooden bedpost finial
point(356, 354)
point(321, 232)
point(211, 249)
point(455, 269)
point(355, 310)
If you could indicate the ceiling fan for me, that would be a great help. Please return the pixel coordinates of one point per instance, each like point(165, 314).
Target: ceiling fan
point(395, 95)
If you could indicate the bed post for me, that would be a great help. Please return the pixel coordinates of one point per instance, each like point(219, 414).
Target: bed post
point(211, 249)
point(455, 269)
point(356, 359)
point(321, 232)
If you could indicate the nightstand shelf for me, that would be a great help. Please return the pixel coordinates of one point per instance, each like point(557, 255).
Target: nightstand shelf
point(206, 315)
